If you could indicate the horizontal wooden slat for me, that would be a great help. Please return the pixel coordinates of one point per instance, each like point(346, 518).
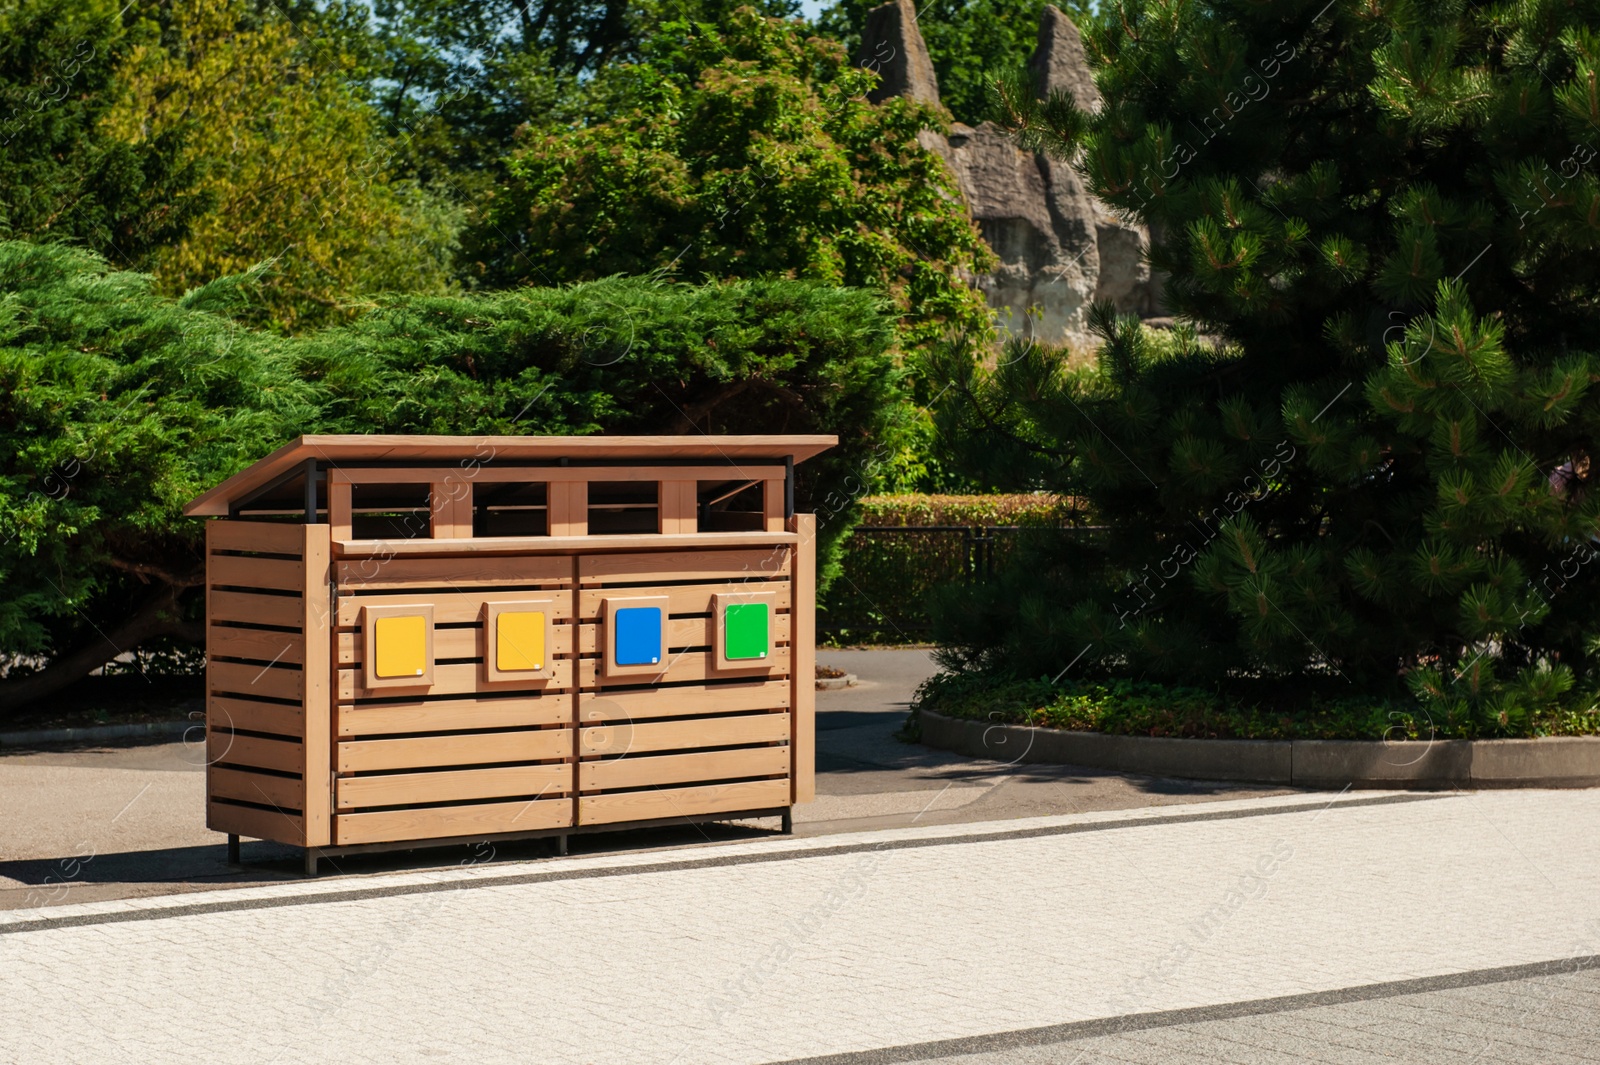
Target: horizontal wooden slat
point(263, 644)
point(279, 538)
point(223, 712)
point(483, 819)
point(459, 785)
point(286, 793)
point(275, 825)
point(690, 666)
point(682, 802)
point(634, 772)
point(452, 643)
point(460, 572)
point(616, 741)
point(276, 573)
point(284, 610)
point(452, 714)
point(752, 564)
point(286, 756)
point(684, 598)
point(462, 678)
point(683, 632)
point(456, 607)
point(552, 474)
point(690, 700)
point(562, 545)
point(417, 752)
point(263, 682)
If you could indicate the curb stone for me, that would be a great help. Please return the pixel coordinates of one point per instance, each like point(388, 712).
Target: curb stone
point(96, 732)
point(1551, 762)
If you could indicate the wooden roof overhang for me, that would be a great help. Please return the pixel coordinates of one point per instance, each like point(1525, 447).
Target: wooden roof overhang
point(292, 472)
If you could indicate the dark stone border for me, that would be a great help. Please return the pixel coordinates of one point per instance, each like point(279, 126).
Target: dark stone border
point(1552, 762)
point(1074, 1031)
point(95, 733)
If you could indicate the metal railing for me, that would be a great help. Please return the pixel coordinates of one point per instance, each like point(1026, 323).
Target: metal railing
point(890, 570)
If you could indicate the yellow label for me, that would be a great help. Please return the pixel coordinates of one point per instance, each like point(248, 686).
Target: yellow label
point(400, 646)
point(519, 640)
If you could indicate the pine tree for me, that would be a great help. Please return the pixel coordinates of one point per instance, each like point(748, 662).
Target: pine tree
point(1368, 455)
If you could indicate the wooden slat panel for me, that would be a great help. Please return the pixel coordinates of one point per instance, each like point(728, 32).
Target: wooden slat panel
point(263, 682)
point(222, 712)
point(461, 785)
point(464, 572)
point(569, 509)
point(278, 538)
point(417, 752)
point(237, 749)
point(450, 507)
point(282, 610)
point(684, 598)
point(683, 702)
point(225, 642)
point(678, 507)
point(804, 648)
point(340, 508)
point(453, 714)
point(687, 667)
point(438, 822)
point(683, 632)
point(265, 789)
point(454, 607)
point(772, 504)
point(236, 571)
point(620, 740)
point(317, 768)
point(635, 772)
point(460, 678)
point(451, 643)
point(755, 564)
point(682, 802)
point(257, 824)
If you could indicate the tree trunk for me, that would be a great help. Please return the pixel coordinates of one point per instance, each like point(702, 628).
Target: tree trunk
point(160, 615)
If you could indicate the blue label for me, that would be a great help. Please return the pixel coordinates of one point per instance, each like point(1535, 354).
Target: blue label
point(638, 636)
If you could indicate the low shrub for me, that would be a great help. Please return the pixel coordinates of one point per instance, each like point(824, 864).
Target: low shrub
point(1137, 708)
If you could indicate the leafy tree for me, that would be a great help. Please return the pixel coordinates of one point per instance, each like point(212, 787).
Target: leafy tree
point(1384, 219)
point(67, 178)
point(969, 41)
point(455, 79)
point(118, 405)
point(747, 151)
point(292, 158)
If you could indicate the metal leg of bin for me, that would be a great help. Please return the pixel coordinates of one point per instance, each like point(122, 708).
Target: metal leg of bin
point(561, 845)
point(233, 850)
point(788, 822)
point(311, 861)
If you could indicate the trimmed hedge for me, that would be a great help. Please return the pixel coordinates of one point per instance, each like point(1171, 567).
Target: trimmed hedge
point(881, 594)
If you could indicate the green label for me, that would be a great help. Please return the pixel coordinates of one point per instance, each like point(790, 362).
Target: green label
point(744, 630)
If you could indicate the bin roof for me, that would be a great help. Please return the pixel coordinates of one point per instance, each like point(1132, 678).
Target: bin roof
point(450, 451)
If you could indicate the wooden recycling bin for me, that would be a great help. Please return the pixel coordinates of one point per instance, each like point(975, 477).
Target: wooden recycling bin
point(419, 639)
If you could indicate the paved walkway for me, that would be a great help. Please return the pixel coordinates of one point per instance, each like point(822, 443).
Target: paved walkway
point(85, 825)
point(1288, 926)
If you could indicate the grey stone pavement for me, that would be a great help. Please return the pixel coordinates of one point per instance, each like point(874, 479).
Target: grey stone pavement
point(85, 825)
point(929, 908)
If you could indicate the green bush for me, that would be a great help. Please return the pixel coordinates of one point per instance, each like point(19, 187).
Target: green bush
point(118, 405)
point(888, 578)
point(1135, 708)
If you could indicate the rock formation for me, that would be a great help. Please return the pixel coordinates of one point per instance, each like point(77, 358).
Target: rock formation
point(1059, 248)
